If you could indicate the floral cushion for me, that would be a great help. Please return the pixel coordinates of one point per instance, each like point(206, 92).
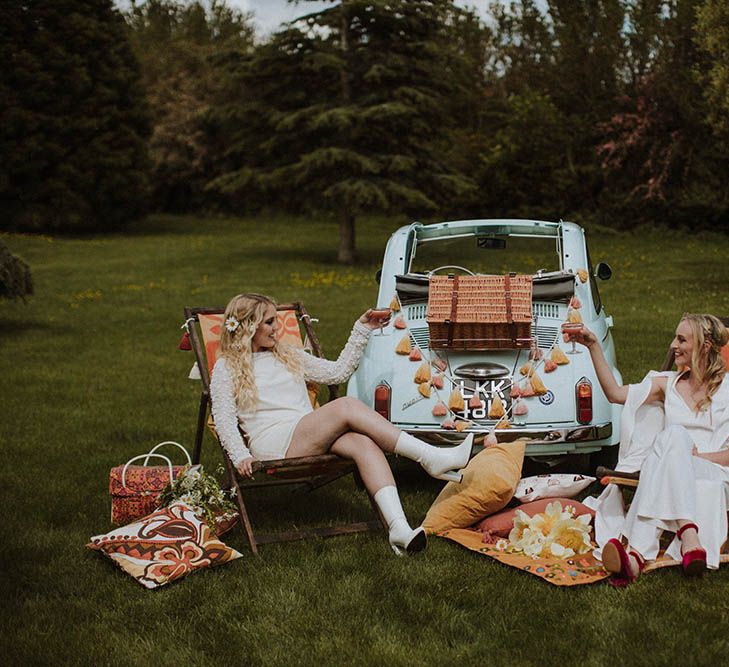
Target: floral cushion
point(551, 486)
point(164, 546)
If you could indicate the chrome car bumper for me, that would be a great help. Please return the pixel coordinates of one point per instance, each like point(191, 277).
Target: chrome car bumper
point(547, 441)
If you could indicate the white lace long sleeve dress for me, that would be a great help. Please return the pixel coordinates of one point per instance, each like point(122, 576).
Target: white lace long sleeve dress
point(282, 398)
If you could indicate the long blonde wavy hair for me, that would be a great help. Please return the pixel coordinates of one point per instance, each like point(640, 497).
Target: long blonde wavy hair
point(235, 347)
point(707, 364)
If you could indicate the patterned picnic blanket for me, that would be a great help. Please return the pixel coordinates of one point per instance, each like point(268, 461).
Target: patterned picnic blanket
point(579, 569)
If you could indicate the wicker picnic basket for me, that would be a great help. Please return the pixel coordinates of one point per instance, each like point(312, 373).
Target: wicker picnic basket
point(480, 312)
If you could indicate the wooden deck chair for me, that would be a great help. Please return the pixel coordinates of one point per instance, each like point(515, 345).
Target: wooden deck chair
point(203, 326)
point(630, 479)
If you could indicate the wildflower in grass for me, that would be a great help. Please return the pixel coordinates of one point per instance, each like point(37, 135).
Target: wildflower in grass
point(329, 279)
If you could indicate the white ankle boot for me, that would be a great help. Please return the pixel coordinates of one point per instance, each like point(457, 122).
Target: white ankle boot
point(439, 462)
point(404, 540)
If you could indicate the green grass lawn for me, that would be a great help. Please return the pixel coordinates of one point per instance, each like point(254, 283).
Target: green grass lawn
point(91, 375)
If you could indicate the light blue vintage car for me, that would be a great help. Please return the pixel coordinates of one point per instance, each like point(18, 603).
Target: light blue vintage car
point(572, 417)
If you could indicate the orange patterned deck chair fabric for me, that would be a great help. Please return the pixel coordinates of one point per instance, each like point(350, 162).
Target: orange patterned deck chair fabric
point(211, 325)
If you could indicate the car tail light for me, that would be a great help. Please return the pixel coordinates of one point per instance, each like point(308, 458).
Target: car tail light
point(583, 399)
point(382, 400)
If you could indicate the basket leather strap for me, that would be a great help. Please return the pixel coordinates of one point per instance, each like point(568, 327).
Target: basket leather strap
point(454, 310)
point(507, 300)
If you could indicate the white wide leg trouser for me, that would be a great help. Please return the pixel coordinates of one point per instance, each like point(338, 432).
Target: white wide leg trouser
point(675, 485)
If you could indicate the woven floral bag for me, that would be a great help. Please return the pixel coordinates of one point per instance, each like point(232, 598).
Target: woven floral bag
point(135, 489)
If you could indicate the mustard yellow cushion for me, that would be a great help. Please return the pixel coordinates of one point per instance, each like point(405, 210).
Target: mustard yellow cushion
point(489, 482)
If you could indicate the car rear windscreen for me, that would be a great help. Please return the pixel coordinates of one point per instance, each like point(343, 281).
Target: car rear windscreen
point(521, 255)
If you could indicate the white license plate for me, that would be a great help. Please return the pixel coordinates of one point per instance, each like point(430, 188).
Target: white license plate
point(487, 391)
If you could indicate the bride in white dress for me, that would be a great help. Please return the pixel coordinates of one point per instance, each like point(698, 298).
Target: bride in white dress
point(676, 431)
point(260, 384)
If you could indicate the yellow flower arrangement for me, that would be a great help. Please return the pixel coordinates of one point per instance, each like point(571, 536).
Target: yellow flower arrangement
point(555, 532)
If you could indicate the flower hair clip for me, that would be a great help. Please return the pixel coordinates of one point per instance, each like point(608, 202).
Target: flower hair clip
point(231, 324)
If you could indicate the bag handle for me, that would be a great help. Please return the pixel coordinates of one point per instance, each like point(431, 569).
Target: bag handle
point(168, 442)
point(134, 458)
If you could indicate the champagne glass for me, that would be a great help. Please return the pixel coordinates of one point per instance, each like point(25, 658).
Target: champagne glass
point(381, 315)
point(572, 327)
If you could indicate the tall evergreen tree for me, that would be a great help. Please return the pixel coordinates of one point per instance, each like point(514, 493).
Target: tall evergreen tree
point(72, 118)
point(353, 106)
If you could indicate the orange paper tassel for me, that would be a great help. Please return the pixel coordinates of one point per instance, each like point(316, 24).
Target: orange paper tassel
point(573, 316)
point(437, 381)
point(515, 390)
point(461, 426)
point(404, 347)
point(521, 408)
point(527, 390)
point(582, 273)
point(449, 424)
point(395, 305)
point(575, 302)
point(527, 369)
point(415, 355)
point(399, 322)
point(538, 385)
point(497, 408)
point(440, 364)
point(475, 401)
point(423, 373)
point(439, 409)
point(558, 356)
point(504, 423)
point(549, 366)
point(455, 401)
point(535, 354)
point(424, 389)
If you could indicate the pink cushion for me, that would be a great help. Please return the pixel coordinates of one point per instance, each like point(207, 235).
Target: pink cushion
point(500, 524)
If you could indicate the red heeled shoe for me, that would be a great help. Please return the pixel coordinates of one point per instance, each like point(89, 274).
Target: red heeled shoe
point(616, 559)
point(694, 561)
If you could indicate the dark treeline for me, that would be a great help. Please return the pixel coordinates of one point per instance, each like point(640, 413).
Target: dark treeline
point(613, 111)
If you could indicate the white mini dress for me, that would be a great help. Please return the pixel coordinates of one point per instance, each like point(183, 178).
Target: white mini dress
point(282, 398)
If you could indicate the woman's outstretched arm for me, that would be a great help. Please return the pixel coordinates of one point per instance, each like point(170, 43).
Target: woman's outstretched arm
point(614, 392)
point(334, 372)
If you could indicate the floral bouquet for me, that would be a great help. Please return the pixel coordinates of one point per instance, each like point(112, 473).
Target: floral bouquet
point(555, 532)
point(201, 491)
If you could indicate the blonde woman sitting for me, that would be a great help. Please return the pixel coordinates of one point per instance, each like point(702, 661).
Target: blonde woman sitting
point(675, 429)
point(260, 384)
